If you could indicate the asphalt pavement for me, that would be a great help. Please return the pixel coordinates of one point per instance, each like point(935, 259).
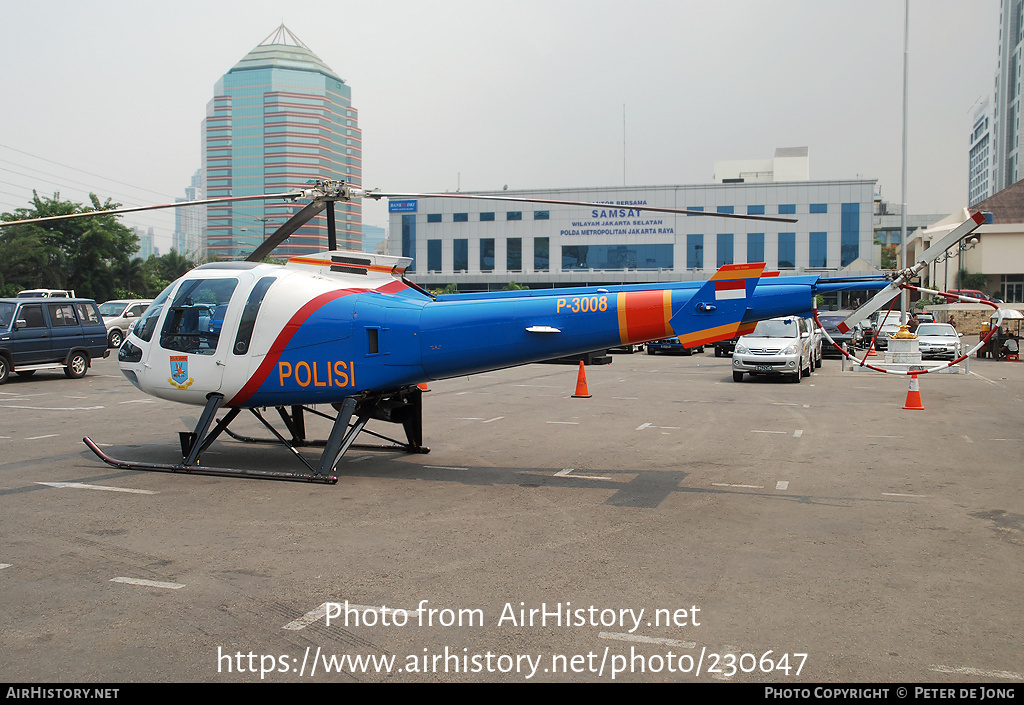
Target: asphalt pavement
point(675, 526)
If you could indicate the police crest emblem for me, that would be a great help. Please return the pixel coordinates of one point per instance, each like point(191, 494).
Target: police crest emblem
point(179, 372)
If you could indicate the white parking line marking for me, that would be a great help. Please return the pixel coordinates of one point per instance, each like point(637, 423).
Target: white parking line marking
point(315, 615)
point(571, 423)
point(647, 639)
point(1001, 439)
point(756, 431)
point(443, 467)
point(136, 401)
point(641, 427)
point(308, 618)
point(897, 494)
point(566, 471)
point(985, 378)
point(52, 408)
point(361, 458)
point(147, 583)
point(968, 439)
point(36, 438)
point(883, 436)
point(977, 672)
point(782, 485)
point(542, 386)
point(83, 486)
point(496, 418)
point(797, 433)
point(5, 565)
point(746, 487)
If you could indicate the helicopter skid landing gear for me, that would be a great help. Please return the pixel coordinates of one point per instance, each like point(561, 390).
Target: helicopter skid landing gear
point(195, 442)
point(404, 406)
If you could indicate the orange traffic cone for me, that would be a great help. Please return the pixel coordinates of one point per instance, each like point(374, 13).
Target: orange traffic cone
point(581, 385)
point(423, 387)
point(914, 395)
point(871, 350)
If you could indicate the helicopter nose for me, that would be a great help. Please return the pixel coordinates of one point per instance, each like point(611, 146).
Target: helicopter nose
point(128, 358)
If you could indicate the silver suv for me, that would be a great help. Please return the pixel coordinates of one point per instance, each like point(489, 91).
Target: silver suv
point(780, 346)
point(119, 315)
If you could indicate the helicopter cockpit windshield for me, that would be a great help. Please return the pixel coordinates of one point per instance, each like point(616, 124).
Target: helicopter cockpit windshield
point(196, 316)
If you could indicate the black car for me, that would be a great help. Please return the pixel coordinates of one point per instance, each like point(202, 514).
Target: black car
point(47, 333)
point(724, 348)
point(671, 345)
point(829, 321)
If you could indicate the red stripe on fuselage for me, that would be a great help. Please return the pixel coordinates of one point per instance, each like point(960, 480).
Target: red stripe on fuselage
point(646, 315)
point(300, 317)
point(392, 287)
point(282, 340)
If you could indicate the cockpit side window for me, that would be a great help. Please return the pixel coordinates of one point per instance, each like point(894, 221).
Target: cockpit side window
point(196, 316)
point(147, 324)
point(249, 313)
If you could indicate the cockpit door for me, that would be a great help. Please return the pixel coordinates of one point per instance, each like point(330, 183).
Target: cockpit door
point(193, 345)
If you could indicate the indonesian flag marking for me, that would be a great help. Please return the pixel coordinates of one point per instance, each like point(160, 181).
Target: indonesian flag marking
point(731, 289)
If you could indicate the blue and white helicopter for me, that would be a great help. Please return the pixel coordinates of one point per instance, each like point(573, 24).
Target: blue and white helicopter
point(348, 331)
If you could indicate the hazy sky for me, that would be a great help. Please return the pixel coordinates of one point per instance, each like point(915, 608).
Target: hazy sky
point(480, 94)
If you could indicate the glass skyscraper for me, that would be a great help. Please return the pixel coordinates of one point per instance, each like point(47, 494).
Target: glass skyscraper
point(1006, 112)
point(279, 119)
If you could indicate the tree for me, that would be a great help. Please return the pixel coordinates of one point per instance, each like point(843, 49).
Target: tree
point(888, 253)
point(81, 253)
point(26, 261)
point(965, 280)
point(133, 279)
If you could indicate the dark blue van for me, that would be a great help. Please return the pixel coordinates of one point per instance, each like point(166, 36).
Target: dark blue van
point(47, 333)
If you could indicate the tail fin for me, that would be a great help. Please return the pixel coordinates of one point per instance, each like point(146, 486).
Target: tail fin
point(716, 311)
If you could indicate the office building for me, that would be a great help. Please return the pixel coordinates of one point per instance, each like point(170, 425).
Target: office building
point(979, 184)
point(279, 119)
point(1006, 111)
point(788, 164)
point(188, 221)
point(482, 244)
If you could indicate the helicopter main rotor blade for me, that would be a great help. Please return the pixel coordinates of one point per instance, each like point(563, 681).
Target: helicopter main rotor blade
point(377, 195)
point(289, 227)
point(138, 209)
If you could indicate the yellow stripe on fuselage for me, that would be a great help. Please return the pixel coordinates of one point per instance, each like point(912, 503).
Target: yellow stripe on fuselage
point(710, 335)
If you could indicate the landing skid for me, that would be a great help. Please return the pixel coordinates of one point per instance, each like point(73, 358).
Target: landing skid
point(404, 406)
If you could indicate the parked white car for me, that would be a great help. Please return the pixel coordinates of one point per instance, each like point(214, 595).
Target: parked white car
point(780, 346)
point(119, 315)
point(938, 340)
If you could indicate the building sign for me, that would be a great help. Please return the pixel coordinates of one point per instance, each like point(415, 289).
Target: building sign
point(402, 206)
point(619, 219)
